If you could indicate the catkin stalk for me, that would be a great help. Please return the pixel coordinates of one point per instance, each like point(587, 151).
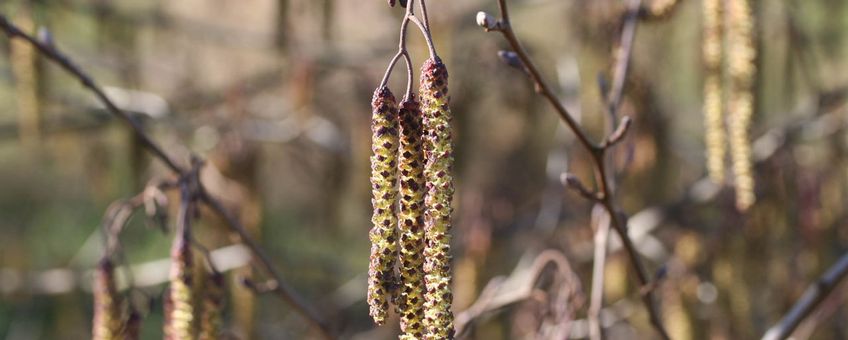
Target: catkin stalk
point(383, 234)
point(411, 220)
point(107, 303)
point(741, 69)
point(438, 316)
point(714, 133)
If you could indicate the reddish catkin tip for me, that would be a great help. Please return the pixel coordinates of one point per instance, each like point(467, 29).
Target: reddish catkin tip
point(383, 234)
point(438, 317)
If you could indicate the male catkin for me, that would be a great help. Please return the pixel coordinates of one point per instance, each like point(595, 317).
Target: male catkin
point(714, 131)
point(741, 69)
point(383, 234)
point(411, 220)
point(213, 296)
point(179, 304)
point(438, 316)
point(107, 303)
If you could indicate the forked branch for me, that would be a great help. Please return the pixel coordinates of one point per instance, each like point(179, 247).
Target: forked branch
point(605, 194)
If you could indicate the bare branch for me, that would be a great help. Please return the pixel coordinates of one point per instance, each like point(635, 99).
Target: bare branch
point(815, 294)
point(598, 152)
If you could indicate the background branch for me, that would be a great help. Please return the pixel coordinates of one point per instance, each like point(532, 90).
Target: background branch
point(47, 49)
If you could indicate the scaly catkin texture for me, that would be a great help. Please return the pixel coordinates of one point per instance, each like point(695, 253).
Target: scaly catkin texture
point(438, 317)
point(383, 234)
point(411, 221)
point(714, 131)
point(213, 296)
point(107, 303)
point(179, 303)
point(740, 56)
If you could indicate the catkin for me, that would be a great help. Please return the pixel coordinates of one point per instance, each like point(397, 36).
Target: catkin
point(660, 9)
point(179, 303)
point(714, 134)
point(213, 305)
point(411, 220)
point(383, 234)
point(107, 303)
point(438, 317)
point(741, 69)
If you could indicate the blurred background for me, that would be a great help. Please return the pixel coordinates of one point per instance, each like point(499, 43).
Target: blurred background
point(275, 95)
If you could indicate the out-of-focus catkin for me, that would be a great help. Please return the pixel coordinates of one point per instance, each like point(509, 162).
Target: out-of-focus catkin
point(107, 303)
point(661, 9)
point(714, 133)
point(213, 296)
point(383, 234)
point(179, 302)
point(438, 316)
point(411, 220)
point(741, 70)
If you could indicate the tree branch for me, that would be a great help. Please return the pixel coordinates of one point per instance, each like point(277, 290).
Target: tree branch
point(598, 151)
point(815, 294)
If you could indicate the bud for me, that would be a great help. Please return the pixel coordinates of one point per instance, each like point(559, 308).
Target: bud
point(486, 21)
point(383, 234)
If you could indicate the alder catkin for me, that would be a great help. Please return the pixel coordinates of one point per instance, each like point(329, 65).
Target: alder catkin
point(383, 234)
point(213, 296)
point(714, 131)
point(179, 303)
point(741, 69)
point(660, 9)
point(411, 220)
point(107, 303)
point(438, 316)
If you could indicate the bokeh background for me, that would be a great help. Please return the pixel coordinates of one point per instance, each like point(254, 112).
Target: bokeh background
point(275, 94)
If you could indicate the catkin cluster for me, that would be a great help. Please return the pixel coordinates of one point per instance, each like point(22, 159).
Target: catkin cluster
point(412, 191)
point(411, 165)
point(728, 45)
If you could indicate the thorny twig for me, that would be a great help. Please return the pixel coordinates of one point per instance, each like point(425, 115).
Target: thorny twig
point(47, 49)
point(605, 195)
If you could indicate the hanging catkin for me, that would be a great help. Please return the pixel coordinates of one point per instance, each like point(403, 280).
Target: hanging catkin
point(714, 134)
point(383, 234)
point(107, 303)
point(740, 58)
point(213, 296)
point(438, 317)
point(411, 220)
point(179, 304)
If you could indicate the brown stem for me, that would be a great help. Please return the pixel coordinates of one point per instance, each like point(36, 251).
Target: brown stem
point(598, 152)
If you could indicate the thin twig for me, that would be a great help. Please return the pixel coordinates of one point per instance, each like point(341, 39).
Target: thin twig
point(596, 299)
point(815, 294)
point(285, 292)
point(598, 152)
